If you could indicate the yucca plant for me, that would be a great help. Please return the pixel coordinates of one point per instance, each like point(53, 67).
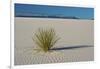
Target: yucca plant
point(45, 38)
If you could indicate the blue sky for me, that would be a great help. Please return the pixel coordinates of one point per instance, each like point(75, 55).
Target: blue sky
point(31, 9)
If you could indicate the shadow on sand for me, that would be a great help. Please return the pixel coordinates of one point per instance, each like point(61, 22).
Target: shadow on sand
point(71, 47)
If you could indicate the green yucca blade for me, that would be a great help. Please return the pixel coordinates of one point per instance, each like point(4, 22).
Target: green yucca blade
point(45, 38)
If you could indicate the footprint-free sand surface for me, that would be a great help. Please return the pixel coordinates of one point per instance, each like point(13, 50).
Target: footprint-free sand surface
point(30, 56)
point(76, 43)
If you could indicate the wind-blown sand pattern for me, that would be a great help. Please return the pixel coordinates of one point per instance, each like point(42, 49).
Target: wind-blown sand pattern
point(76, 43)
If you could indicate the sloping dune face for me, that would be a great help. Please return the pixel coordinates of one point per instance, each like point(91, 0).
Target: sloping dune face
point(73, 32)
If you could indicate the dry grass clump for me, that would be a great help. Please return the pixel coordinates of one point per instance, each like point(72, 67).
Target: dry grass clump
point(45, 38)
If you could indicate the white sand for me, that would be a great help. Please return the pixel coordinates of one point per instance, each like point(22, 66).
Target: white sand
point(72, 33)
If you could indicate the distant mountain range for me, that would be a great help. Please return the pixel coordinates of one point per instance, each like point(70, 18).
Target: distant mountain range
point(48, 16)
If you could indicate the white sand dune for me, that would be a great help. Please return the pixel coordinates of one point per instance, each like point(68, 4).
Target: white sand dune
point(31, 56)
point(72, 33)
